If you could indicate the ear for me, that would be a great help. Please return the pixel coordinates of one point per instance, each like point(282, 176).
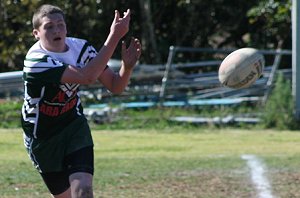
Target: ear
point(35, 33)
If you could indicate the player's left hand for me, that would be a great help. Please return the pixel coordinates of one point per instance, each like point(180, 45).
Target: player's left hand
point(131, 55)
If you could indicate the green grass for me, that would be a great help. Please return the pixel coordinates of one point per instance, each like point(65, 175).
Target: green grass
point(159, 117)
point(169, 163)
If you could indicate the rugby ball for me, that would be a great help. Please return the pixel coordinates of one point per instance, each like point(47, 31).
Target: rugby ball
point(241, 68)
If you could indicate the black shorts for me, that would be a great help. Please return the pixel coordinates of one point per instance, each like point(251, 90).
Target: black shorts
point(78, 161)
point(48, 155)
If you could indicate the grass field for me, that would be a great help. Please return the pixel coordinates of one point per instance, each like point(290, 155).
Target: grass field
point(171, 163)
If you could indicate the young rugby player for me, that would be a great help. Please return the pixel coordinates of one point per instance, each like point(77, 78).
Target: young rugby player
point(56, 133)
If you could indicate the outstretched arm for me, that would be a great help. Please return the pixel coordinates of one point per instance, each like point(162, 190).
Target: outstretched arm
point(116, 82)
point(95, 67)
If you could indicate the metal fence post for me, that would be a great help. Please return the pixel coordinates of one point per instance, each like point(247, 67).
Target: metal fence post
point(296, 56)
point(165, 78)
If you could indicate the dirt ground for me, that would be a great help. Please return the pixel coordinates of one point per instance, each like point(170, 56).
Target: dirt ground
point(190, 185)
point(236, 184)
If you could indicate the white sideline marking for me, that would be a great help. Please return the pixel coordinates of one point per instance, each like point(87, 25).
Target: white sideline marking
point(261, 183)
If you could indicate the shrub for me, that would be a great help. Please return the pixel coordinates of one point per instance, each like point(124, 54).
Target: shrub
point(279, 109)
point(10, 114)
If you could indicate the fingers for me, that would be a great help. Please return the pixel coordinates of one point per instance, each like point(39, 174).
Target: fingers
point(126, 16)
point(120, 25)
point(127, 13)
point(125, 19)
point(123, 47)
point(117, 16)
point(136, 47)
point(132, 53)
point(135, 44)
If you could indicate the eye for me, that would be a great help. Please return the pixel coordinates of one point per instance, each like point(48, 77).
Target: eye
point(61, 25)
point(48, 27)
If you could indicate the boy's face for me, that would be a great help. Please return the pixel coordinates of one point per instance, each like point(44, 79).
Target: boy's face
point(52, 33)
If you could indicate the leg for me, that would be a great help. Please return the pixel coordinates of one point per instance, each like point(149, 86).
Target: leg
point(66, 194)
point(58, 184)
point(81, 185)
point(80, 166)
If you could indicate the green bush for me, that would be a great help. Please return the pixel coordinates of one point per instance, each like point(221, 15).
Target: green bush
point(279, 109)
point(277, 113)
point(10, 114)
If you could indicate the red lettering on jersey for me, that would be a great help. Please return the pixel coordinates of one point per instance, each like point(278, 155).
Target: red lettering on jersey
point(73, 102)
point(43, 108)
point(49, 110)
point(60, 97)
point(69, 106)
point(65, 108)
point(55, 111)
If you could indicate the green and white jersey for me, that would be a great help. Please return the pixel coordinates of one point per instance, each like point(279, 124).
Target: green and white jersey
point(49, 106)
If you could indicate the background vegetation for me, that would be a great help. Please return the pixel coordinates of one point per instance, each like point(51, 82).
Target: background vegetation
point(276, 113)
point(159, 24)
point(264, 24)
point(279, 109)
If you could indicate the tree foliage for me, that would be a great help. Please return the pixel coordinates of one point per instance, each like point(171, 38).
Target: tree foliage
point(159, 24)
point(271, 22)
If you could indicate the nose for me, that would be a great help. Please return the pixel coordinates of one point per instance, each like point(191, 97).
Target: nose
point(56, 29)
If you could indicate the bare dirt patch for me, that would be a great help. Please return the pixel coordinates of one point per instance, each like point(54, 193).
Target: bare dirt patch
point(190, 185)
point(286, 184)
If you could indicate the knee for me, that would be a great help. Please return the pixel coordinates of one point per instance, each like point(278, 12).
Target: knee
point(81, 185)
point(83, 191)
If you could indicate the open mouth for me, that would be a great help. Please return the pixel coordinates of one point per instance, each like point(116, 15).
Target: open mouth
point(57, 39)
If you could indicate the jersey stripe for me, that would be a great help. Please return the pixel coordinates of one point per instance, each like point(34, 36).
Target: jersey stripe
point(48, 102)
point(82, 52)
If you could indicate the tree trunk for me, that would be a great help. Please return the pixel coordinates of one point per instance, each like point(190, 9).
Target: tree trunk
point(148, 31)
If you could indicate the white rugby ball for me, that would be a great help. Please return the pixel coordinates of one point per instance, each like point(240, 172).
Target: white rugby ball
point(241, 68)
